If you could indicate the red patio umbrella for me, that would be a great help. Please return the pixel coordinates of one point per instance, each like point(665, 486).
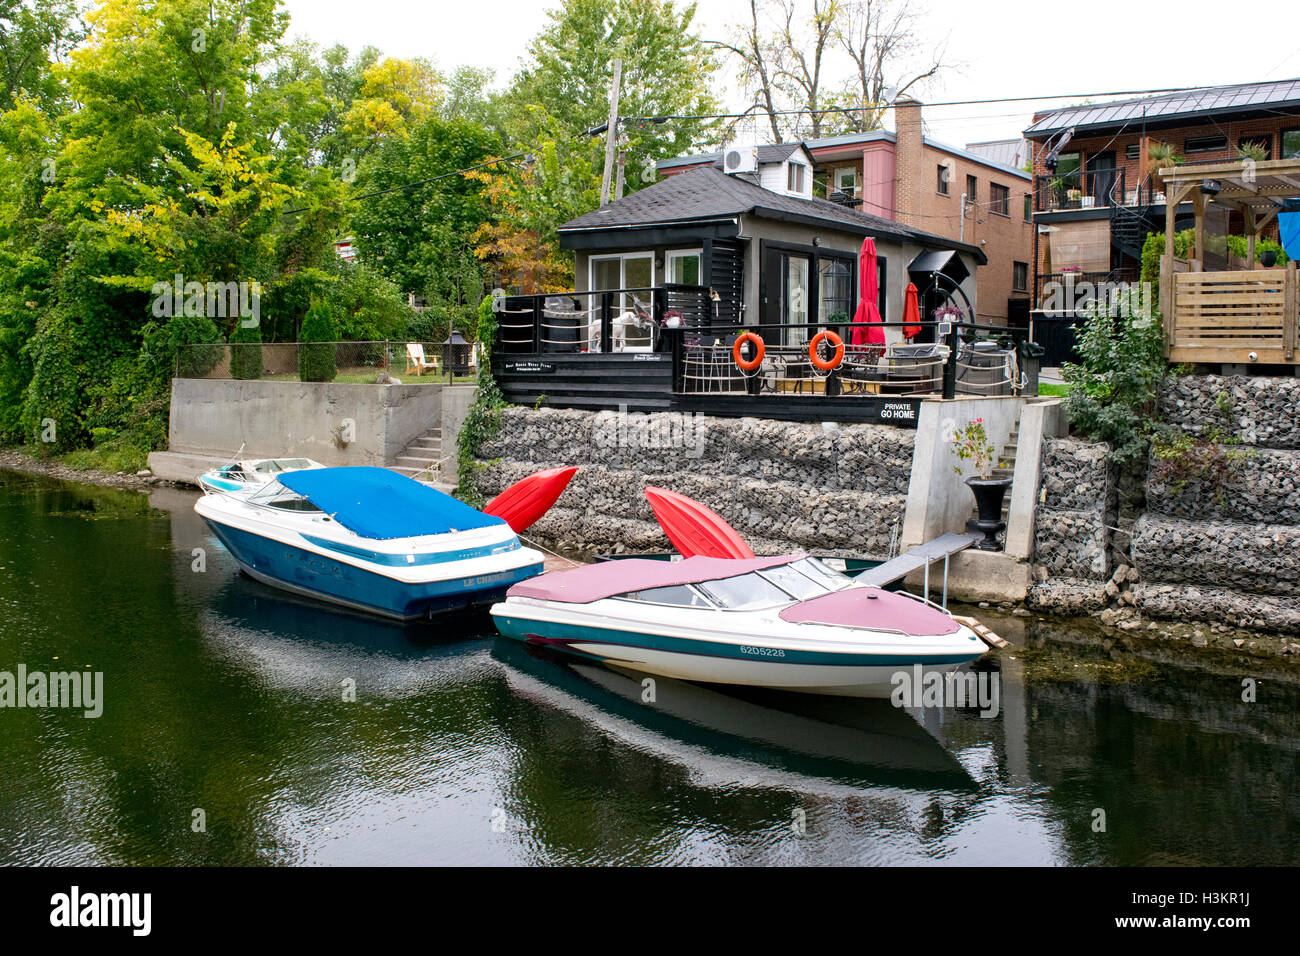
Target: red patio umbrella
point(911, 313)
point(866, 321)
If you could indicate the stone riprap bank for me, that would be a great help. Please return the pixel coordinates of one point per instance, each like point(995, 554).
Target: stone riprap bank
point(782, 485)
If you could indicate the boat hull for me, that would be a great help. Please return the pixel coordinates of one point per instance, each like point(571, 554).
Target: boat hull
point(847, 673)
point(325, 578)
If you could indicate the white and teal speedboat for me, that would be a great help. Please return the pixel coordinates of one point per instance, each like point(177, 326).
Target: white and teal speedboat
point(250, 475)
point(785, 622)
point(369, 539)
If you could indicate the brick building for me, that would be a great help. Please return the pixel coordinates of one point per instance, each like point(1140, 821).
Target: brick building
point(1095, 198)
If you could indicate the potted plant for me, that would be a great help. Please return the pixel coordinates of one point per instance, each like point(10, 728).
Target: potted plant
point(972, 448)
point(1161, 155)
point(1254, 150)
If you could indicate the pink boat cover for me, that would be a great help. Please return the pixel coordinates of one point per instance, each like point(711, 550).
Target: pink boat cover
point(593, 582)
point(872, 607)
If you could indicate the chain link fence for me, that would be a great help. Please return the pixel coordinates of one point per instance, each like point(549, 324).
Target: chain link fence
point(358, 362)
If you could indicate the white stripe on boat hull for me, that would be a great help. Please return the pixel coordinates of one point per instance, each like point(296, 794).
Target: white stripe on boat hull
point(848, 681)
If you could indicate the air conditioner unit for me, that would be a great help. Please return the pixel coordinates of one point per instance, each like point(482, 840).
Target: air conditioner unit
point(740, 159)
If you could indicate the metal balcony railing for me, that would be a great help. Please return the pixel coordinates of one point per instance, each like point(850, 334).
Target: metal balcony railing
point(1090, 189)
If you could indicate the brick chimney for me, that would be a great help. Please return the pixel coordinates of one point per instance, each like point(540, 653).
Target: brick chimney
point(909, 175)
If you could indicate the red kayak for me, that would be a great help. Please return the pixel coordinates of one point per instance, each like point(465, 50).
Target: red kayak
point(694, 529)
point(525, 501)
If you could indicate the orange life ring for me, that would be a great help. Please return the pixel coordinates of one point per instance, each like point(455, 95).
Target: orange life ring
point(834, 361)
point(759, 349)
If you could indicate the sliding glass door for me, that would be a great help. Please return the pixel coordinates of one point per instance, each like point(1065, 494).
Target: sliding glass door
point(633, 322)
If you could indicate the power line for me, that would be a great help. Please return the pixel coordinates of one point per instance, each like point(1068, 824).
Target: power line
point(854, 109)
point(421, 182)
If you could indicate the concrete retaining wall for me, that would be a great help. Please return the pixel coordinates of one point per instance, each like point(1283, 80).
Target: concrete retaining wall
point(213, 417)
point(939, 500)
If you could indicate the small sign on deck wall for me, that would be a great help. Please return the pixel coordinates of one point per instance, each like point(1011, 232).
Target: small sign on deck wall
point(900, 412)
point(529, 368)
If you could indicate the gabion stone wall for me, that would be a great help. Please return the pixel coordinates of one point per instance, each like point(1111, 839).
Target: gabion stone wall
point(1245, 483)
point(783, 486)
point(1238, 608)
point(1262, 412)
point(1077, 496)
point(1226, 524)
point(1221, 554)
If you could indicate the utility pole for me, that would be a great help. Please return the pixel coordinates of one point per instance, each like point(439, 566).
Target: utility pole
point(618, 180)
point(611, 133)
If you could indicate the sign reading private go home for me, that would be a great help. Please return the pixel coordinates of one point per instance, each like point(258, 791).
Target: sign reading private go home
point(900, 412)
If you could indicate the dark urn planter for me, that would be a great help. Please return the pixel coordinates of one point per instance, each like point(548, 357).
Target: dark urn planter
point(989, 493)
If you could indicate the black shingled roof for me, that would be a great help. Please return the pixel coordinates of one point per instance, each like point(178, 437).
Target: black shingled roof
point(708, 193)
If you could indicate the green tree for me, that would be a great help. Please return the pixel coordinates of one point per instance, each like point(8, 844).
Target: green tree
point(365, 305)
point(667, 71)
point(562, 92)
point(1115, 385)
point(417, 235)
point(33, 37)
point(173, 161)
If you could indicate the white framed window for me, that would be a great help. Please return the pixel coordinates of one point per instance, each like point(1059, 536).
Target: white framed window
point(795, 177)
point(632, 328)
point(682, 266)
point(845, 181)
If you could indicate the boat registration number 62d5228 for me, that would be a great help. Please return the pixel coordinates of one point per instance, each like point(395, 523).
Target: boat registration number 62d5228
point(762, 651)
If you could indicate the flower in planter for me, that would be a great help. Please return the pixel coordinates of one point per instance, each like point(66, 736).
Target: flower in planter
point(970, 443)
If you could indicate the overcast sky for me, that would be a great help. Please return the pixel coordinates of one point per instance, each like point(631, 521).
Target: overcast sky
point(997, 49)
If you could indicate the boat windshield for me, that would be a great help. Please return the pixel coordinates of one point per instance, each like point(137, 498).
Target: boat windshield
point(833, 580)
point(272, 466)
point(798, 585)
point(679, 595)
point(275, 495)
point(744, 591)
point(291, 503)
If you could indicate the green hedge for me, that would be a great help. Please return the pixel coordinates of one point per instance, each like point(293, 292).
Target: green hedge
point(316, 350)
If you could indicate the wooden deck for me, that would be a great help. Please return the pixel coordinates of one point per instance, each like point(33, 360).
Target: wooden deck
point(1239, 317)
point(1247, 317)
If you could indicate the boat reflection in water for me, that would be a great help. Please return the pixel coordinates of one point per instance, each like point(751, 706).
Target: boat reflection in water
point(725, 735)
point(293, 643)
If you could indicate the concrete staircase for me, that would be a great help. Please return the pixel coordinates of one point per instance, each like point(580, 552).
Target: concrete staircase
point(421, 456)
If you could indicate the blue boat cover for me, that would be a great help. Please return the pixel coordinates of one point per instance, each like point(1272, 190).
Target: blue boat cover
point(381, 504)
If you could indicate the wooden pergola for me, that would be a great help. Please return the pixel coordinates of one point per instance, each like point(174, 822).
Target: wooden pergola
point(1241, 316)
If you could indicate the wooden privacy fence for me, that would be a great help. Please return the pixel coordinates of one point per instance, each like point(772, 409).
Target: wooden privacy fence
point(1235, 317)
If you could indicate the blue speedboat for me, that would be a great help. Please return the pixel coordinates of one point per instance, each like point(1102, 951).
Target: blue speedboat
point(369, 539)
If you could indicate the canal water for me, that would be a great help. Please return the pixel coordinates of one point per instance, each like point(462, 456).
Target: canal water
point(227, 737)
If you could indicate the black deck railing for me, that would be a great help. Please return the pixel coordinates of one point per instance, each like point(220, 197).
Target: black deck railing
point(612, 320)
point(963, 358)
point(1090, 189)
